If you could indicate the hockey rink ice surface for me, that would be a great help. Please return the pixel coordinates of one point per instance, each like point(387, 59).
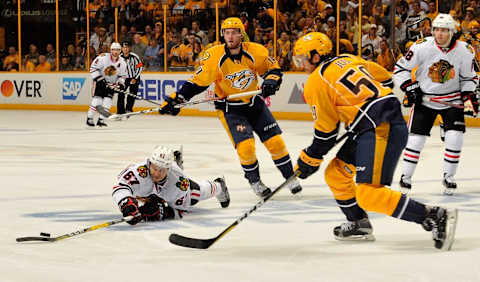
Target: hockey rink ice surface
point(57, 177)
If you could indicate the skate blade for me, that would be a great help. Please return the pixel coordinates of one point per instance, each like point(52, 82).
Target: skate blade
point(366, 238)
point(449, 191)
point(452, 216)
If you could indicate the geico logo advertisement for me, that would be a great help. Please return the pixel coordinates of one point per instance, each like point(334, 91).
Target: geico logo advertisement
point(71, 87)
point(23, 88)
point(156, 89)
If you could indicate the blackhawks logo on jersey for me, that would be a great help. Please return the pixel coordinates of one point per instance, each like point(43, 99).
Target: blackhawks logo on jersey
point(110, 70)
point(241, 79)
point(142, 171)
point(183, 184)
point(441, 71)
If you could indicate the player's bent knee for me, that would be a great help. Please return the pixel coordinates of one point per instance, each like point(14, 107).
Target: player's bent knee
point(339, 177)
point(246, 151)
point(276, 146)
point(377, 198)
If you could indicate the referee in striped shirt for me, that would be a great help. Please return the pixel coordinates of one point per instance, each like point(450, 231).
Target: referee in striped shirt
point(134, 69)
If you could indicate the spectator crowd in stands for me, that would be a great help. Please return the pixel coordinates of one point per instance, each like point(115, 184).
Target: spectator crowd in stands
point(191, 29)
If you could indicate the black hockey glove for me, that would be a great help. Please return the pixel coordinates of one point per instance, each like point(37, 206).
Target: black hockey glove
point(413, 93)
point(101, 84)
point(470, 102)
point(155, 209)
point(271, 84)
point(307, 165)
point(129, 207)
point(168, 106)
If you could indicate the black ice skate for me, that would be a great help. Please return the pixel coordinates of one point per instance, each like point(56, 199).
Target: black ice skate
point(294, 186)
point(449, 184)
point(260, 189)
point(405, 184)
point(101, 123)
point(90, 122)
point(224, 197)
point(360, 230)
point(442, 223)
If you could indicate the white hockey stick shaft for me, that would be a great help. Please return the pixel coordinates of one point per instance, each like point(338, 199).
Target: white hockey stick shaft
point(426, 99)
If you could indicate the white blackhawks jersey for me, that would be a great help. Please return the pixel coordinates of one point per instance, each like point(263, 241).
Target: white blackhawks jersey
point(441, 74)
point(135, 181)
point(114, 71)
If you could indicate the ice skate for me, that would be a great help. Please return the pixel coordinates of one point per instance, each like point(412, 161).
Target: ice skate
point(405, 184)
point(101, 123)
point(360, 230)
point(260, 189)
point(442, 223)
point(90, 122)
point(294, 186)
point(224, 197)
point(449, 184)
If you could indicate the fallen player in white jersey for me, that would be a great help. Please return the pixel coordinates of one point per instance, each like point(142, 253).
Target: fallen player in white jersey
point(166, 192)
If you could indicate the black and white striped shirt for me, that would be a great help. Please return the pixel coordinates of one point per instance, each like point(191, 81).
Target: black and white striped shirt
point(134, 65)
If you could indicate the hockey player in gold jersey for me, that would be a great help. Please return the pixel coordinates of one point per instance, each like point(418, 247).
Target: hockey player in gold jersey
point(347, 89)
point(234, 67)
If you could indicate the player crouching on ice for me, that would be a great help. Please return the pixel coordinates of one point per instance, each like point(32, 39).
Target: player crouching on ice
point(351, 90)
point(166, 191)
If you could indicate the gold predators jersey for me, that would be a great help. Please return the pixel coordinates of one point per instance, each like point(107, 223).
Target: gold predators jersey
point(339, 90)
point(233, 73)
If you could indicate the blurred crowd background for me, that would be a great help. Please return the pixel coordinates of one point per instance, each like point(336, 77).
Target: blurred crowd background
point(171, 35)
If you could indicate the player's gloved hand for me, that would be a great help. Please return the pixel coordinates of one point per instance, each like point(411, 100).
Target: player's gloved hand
point(307, 165)
point(101, 83)
point(129, 207)
point(470, 102)
point(156, 208)
point(270, 85)
point(168, 106)
point(413, 93)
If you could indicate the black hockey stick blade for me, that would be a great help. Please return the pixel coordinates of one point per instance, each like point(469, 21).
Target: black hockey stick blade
point(31, 239)
point(183, 241)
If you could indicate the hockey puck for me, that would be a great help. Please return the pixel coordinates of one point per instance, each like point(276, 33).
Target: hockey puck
point(44, 234)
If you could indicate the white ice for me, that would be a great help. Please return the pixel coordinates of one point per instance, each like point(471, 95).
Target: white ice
point(57, 176)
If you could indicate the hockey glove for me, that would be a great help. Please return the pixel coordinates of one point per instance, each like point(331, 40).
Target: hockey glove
point(307, 165)
point(270, 85)
point(168, 106)
point(155, 209)
point(470, 102)
point(101, 84)
point(129, 207)
point(413, 93)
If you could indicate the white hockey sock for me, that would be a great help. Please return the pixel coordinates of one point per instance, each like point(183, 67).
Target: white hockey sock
point(107, 103)
point(453, 147)
point(208, 189)
point(95, 102)
point(411, 154)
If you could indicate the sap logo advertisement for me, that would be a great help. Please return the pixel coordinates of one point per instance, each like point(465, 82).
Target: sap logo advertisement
point(24, 88)
point(156, 89)
point(71, 87)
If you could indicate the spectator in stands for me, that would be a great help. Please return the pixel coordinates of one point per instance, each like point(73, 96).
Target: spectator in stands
point(11, 58)
point(264, 20)
point(469, 16)
point(123, 35)
point(33, 54)
point(79, 59)
point(400, 31)
point(196, 30)
point(106, 13)
point(385, 57)
point(65, 64)
point(372, 38)
point(138, 47)
point(147, 35)
point(194, 56)
point(175, 56)
point(158, 31)
point(51, 55)
point(100, 39)
point(432, 11)
point(283, 46)
point(154, 56)
point(43, 65)
point(413, 21)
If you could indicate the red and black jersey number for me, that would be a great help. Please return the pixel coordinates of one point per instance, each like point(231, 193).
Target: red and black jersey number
point(130, 178)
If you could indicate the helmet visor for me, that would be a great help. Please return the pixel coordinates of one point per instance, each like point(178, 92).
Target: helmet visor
point(298, 60)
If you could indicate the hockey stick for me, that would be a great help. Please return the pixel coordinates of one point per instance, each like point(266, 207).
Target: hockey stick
point(434, 100)
point(117, 89)
point(119, 117)
point(46, 237)
point(188, 242)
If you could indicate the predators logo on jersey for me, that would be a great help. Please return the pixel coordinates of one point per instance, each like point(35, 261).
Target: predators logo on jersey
point(241, 79)
point(110, 71)
point(441, 71)
point(183, 184)
point(142, 171)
